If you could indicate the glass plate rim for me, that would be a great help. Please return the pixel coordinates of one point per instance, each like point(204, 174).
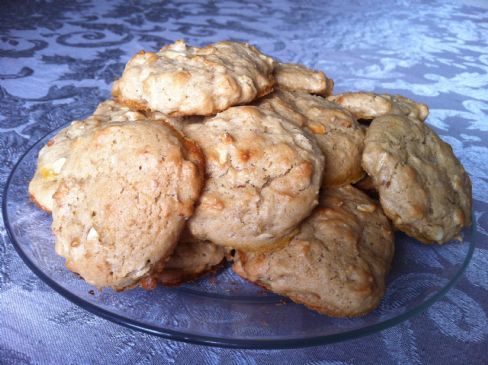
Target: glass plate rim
point(214, 340)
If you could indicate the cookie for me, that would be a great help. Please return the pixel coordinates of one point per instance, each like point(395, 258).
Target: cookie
point(339, 135)
point(190, 260)
point(125, 192)
point(423, 187)
point(53, 155)
point(263, 178)
point(175, 122)
point(297, 77)
point(181, 80)
point(368, 105)
point(366, 185)
point(338, 262)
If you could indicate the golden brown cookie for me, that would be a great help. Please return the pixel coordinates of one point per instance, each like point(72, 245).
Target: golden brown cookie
point(263, 178)
point(338, 262)
point(297, 77)
point(423, 187)
point(53, 155)
point(366, 185)
point(339, 135)
point(368, 105)
point(181, 80)
point(125, 192)
point(190, 260)
point(175, 122)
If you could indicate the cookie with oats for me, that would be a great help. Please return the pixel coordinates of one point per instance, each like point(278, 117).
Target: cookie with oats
point(297, 77)
point(338, 134)
point(368, 105)
point(181, 80)
point(263, 178)
point(422, 186)
point(53, 155)
point(190, 260)
point(125, 193)
point(337, 264)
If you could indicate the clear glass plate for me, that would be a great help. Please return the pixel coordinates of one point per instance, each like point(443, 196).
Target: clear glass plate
point(221, 309)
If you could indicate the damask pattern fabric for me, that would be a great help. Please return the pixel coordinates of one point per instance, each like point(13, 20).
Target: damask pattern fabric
point(57, 62)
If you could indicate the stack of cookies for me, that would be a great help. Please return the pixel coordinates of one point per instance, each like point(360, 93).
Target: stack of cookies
point(221, 152)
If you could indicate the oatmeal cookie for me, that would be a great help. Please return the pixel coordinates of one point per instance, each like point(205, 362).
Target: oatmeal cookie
point(181, 80)
point(190, 260)
point(339, 135)
point(423, 187)
point(53, 155)
point(366, 185)
point(338, 262)
point(368, 105)
point(263, 178)
point(125, 192)
point(297, 77)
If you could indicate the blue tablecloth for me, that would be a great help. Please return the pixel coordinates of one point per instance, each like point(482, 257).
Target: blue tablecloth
point(58, 60)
